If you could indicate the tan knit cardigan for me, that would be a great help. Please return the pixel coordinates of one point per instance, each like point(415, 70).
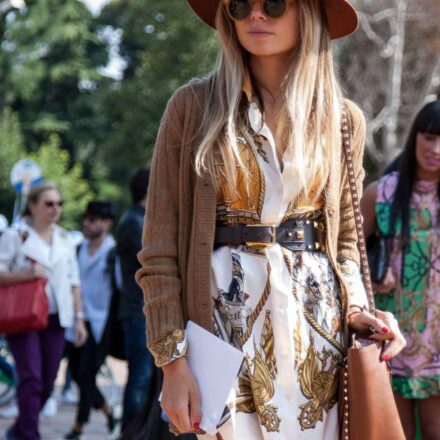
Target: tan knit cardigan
point(181, 215)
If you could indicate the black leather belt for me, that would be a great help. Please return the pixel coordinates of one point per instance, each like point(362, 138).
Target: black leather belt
point(296, 235)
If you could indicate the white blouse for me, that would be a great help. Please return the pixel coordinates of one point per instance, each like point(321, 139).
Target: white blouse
point(21, 246)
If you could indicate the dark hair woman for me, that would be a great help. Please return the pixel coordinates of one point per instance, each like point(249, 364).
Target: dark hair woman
point(405, 207)
point(38, 247)
point(250, 229)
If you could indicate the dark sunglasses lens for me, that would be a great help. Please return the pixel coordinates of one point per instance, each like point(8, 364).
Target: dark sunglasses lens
point(51, 204)
point(239, 9)
point(274, 8)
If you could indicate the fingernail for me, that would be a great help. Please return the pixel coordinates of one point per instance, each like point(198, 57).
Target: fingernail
point(385, 330)
point(385, 358)
point(197, 425)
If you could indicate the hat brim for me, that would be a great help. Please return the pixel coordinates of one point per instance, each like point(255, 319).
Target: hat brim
point(342, 18)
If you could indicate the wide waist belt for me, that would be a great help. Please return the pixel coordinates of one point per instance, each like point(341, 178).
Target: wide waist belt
point(296, 235)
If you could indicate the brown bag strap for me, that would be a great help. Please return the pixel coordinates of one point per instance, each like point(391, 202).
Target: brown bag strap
point(348, 153)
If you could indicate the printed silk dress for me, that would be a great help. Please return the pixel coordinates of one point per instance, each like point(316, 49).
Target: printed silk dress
point(415, 300)
point(269, 303)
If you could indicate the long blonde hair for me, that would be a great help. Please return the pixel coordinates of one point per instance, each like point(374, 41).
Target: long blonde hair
point(309, 119)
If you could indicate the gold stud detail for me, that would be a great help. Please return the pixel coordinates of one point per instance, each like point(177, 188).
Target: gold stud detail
point(299, 235)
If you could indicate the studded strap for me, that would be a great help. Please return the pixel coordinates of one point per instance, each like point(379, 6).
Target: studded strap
point(346, 142)
point(348, 153)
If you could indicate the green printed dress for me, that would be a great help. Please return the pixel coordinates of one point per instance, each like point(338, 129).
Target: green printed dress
point(415, 300)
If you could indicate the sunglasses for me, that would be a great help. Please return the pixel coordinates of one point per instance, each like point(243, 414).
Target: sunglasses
point(52, 204)
point(238, 10)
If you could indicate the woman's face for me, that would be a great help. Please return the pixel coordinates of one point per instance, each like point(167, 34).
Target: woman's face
point(263, 36)
point(428, 156)
point(48, 207)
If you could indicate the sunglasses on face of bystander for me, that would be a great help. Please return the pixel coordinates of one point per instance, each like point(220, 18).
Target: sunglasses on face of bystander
point(238, 10)
point(53, 203)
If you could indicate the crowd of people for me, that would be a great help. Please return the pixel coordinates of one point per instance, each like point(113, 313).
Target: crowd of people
point(93, 297)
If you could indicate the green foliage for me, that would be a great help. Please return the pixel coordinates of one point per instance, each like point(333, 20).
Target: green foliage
point(52, 54)
point(50, 77)
point(75, 190)
point(11, 150)
point(56, 166)
point(164, 46)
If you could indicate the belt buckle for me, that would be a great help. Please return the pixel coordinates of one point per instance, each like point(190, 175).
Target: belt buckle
point(261, 244)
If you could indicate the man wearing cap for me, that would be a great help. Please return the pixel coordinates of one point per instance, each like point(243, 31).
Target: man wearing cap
point(95, 255)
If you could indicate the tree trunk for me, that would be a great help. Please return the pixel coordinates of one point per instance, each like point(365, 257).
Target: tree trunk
point(394, 94)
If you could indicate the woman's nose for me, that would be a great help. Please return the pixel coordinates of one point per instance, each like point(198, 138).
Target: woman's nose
point(257, 12)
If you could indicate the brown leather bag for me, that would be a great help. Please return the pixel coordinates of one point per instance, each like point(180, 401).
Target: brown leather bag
point(367, 408)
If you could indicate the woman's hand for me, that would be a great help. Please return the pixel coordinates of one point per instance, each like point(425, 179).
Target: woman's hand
point(385, 328)
point(180, 396)
point(81, 334)
point(32, 272)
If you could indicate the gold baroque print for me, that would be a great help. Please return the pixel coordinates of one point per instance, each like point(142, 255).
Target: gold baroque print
point(318, 380)
point(257, 386)
point(169, 348)
point(246, 203)
point(245, 402)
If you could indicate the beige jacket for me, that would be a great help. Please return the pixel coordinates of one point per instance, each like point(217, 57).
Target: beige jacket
point(181, 215)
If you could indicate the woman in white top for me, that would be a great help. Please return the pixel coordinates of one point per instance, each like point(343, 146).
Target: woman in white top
point(40, 248)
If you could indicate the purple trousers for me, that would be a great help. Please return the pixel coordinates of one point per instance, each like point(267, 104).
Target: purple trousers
point(37, 356)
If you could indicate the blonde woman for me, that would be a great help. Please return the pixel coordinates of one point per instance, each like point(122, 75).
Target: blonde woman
point(38, 247)
point(249, 229)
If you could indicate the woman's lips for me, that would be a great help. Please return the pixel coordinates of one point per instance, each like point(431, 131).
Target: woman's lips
point(259, 32)
point(434, 162)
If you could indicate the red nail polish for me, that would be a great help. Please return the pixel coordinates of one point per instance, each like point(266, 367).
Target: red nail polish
point(197, 425)
point(385, 330)
point(386, 358)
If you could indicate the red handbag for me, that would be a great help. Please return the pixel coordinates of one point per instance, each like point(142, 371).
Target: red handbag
point(24, 307)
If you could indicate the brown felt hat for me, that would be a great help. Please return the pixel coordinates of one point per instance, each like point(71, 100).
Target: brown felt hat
point(342, 19)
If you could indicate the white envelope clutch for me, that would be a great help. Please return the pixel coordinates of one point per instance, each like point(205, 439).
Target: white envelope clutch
point(215, 364)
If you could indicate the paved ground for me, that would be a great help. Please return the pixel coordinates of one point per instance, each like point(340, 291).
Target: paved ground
point(54, 428)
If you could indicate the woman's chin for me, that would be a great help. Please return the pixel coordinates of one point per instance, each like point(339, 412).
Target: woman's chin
point(265, 51)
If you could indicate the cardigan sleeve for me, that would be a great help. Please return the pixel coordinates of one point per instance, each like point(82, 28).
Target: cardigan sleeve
point(347, 238)
point(159, 275)
point(348, 253)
